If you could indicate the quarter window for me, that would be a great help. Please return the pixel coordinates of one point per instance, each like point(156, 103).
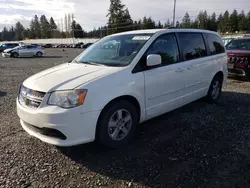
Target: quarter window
point(215, 44)
point(193, 45)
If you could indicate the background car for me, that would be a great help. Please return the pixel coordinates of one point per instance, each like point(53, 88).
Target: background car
point(5, 46)
point(47, 46)
point(24, 51)
point(78, 45)
point(226, 40)
point(85, 46)
point(238, 52)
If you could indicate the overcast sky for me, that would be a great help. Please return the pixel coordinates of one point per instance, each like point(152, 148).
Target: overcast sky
point(92, 13)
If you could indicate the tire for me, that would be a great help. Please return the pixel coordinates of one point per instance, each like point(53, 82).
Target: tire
point(215, 88)
point(114, 133)
point(39, 54)
point(15, 55)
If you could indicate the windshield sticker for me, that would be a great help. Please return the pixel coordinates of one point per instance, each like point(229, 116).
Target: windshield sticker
point(141, 38)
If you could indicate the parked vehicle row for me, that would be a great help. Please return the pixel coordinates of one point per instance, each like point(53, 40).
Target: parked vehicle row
point(77, 45)
point(120, 81)
point(31, 50)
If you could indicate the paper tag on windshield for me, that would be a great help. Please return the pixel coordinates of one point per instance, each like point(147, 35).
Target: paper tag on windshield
point(141, 38)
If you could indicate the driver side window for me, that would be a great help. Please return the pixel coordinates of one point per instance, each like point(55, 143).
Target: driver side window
point(165, 46)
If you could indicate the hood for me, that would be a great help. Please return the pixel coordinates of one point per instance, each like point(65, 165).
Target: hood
point(8, 50)
point(238, 52)
point(67, 76)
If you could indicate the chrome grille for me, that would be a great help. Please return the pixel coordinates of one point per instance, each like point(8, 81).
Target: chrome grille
point(238, 59)
point(30, 98)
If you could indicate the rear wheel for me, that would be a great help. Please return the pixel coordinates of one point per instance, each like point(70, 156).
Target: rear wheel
point(15, 55)
point(214, 91)
point(39, 54)
point(117, 124)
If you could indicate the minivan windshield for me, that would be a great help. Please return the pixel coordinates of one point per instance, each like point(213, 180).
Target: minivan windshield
point(239, 44)
point(116, 50)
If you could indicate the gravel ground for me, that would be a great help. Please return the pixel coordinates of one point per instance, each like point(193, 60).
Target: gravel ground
point(199, 145)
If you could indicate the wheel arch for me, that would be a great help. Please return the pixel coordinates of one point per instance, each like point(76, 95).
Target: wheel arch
point(220, 75)
point(132, 100)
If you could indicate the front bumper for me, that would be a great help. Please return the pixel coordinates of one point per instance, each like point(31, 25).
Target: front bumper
point(237, 72)
point(5, 54)
point(78, 128)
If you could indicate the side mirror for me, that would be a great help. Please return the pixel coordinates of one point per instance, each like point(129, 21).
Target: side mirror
point(153, 60)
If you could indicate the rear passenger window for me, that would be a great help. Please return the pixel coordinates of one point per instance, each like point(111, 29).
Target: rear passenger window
point(192, 45)
point(215, 44)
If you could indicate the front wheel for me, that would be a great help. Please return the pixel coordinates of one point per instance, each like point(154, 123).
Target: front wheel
point(214, 91)
point(39, 54)
point(15, 55)
point(117, 124)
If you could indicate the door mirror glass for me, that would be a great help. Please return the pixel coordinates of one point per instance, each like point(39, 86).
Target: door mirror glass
point(153, 60)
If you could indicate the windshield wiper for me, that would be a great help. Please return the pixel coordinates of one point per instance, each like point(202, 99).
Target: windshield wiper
point(73, 61)
point(93, 63)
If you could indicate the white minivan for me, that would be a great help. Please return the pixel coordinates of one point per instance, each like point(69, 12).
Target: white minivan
point(120, 81)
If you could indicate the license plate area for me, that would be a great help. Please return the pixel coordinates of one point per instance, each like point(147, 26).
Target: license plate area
point(230, 65)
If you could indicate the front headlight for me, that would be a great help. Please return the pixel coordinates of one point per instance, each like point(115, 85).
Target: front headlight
point(67, 99)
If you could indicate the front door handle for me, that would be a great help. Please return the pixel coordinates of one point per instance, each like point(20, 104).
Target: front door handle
point(190, 67)
point(179, 70)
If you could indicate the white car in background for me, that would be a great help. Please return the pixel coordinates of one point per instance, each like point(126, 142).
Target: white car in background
point(24, 51)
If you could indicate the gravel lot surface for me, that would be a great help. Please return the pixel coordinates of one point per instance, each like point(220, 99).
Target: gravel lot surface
point(199, 145)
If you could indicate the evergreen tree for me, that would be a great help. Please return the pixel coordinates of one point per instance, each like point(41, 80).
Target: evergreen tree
point(45, 27)
point(248, 21)
point(220, 23)
point(73, 28)
point(150, 24)
point(242, 21)
point(186, 22)
point(19, 31)
point(139, 24)
point(233, 21)
point(212, 23)
point(194, 24)
point(225, 22)
point(53, 28)
point(12, 33)
point(35, 28)
point(177, 24)
point(32, 29)
point(202, 19)
point(5, 34)
point(119, 18)
point(167, 24)
point(79, 31)
point(135, 25)
point(159, 25)
point(52, 24)
point(26, 34)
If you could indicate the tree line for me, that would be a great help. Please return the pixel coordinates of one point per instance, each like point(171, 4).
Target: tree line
point(119, 20)
point(40, 28)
